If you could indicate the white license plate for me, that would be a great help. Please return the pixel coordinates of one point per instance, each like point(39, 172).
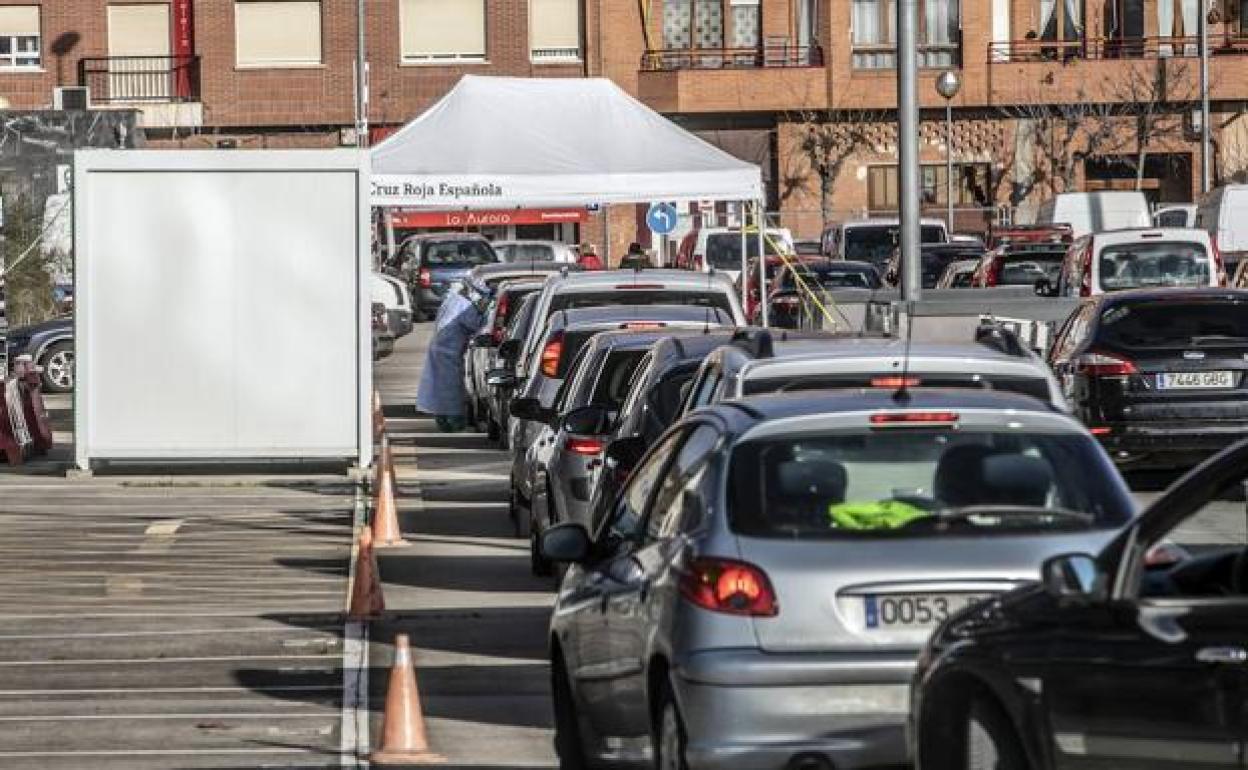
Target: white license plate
point(907, 611)
point(1184, 380)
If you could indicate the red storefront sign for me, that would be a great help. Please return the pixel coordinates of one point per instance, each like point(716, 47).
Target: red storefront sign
point(412, 219)
point(183, 46)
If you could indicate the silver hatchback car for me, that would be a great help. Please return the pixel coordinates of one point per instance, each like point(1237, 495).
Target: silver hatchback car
point(759, 591)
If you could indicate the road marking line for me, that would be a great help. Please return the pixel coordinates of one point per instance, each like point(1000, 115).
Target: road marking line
point(156, 752)
point(166, 528)
point(180, 632)
point(355, 717)
point(175, 690)
point(145, 661)
point(105, 717)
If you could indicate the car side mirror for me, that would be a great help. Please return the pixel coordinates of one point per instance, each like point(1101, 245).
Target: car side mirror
point(509, 350)
point(566, 543)
point(623, 454)
point(483, 341)
point(500, 378)
point(530, 409)
point(1045, 288)
point(593, 420)
point(1074, 576)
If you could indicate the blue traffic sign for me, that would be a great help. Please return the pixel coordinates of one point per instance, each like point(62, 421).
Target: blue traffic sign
point(662, 218)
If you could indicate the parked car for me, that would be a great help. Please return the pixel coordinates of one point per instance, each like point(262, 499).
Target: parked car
point(482, 355)
point(563, 336)
point(431, 264)
point(1128, 655)
point(1095, 212)
point(760, 589)
point(1177, 215)
point(958, 275)
point(394, 295)
point(563, 460)
point(1160, 375)
point(936, 257)
point(719, 248)
point(873, 240)
point(1223, 213)
point(772, 266)
point(501, 381)
point(1133, 259)
point(51, 346)
point(1020, 264)
point(789, 300)
point(519, 252)
point(383, 335)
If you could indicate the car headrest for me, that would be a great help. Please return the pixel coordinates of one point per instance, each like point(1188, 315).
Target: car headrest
point(1015, 479)
point(806, 479)
point(959, 479)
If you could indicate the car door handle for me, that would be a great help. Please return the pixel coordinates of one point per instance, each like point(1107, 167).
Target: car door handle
point(1226, 655)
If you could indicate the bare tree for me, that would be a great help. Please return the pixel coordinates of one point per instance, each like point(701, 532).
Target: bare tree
point(1155, 95)
point(826, 140)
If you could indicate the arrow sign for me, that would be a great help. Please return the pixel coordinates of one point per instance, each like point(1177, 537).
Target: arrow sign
point(662, 218)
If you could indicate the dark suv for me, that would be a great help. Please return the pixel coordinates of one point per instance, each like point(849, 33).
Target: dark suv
point(1158, 375)
point(432, 263)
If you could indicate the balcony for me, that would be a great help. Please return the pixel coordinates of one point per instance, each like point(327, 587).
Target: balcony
point(775, 76)
point(164, 88)
point(1112, 48)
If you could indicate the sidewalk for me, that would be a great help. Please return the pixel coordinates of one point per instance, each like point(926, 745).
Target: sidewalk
point(462, 591)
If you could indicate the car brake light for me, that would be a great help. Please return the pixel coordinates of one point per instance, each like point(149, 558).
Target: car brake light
point(1085, 288)
point(913, 419)
point(1218, 263)
point(1103, 365)
point(786, 301)
point(642, 286)
point(992, 276)
point(1100, 431)
point(642, 325)
point(730, 587)
point(551, 355)
point(896, 382)
point(1153, 234)
point(584, 446)
point(425, 278)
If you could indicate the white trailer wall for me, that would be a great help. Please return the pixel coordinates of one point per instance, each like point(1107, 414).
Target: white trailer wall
point(222, 309)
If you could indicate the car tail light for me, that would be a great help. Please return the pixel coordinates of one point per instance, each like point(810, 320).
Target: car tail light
point(913, 419)
point(641, 286)
point(587, 447)
point(1104, 365)
point(1100, 430)
point(992, 275)
point(731, 587)
point(788, 302)
point(1218, 263)
point(893, 383)
point(1085, 286)
point(424, 278)
point(642, 325)
point(551, 355)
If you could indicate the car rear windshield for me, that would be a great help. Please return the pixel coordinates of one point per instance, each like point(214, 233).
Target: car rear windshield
point(1173, 323)
point(723, 250)
point(935, 262)
point(1024, 268)
point(1036, 387)
point(1135, 265)
point(875, 243)
point(526, 252)
point(833, 276)
point(458, 253)
point(907, 482)
point(711, 299)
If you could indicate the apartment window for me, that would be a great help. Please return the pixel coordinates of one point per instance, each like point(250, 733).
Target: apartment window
point(19, 37)
point(970, 186)
point(554, 30)
point(1061, 20)
point(874, 37)
point(277, 33)
point(745, 23)
point(693, 24)
point(1178, 18)
point(442, 30)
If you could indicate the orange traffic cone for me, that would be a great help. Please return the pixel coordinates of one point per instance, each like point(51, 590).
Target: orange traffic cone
point(403, 739)
point(385, 510)
point(366, 598)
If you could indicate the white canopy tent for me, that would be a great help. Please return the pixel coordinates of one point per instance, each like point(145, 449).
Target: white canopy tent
point(496, 143)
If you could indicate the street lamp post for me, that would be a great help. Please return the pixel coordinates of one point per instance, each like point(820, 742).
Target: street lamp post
point(1203, 23)
point(948, 85)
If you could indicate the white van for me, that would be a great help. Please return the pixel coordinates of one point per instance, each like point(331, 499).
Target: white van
point(719, 248)
point(1096, 212)
point(1175, 215)
point(1100, 263)
point(1223, 213)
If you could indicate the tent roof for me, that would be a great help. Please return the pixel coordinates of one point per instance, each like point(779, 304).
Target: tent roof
point(496, 142)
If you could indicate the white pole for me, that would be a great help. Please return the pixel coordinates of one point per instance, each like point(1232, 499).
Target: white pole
point(908, 147)
point(949, 160)
point(761, 219)
point(361, 80)
point(1203, 24)
point(745, 260)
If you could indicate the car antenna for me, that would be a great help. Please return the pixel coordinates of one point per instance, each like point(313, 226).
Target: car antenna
point(902, 395)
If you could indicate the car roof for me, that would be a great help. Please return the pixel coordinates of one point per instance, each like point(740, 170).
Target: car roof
point(597, 280)
point(1136, 234)
point(845, 264)
point(612, 314)
point(777, 406)
point(693, 346)
point(627, 339)
point(531, 242)
point(449, 235)
point(1172, 293)
point(537, 269)
point(518, 284)
point(884, 347)
point(888, 221)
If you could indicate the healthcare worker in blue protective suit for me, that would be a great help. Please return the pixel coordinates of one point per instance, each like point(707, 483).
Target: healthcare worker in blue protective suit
point(441, 389)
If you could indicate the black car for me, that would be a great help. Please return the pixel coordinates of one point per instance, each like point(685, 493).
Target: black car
point(1131, 658)
point(935, 258)
point(501, 381)
point(432, 263)
point(1159, 375)
point(51, 346)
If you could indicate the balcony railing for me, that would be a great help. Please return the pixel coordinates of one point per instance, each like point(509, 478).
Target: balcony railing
point(884, 56)
point(758, 57)
point(132, 79)
point(1112, 48)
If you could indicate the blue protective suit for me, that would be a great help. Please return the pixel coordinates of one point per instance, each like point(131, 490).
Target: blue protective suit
point(441, 389)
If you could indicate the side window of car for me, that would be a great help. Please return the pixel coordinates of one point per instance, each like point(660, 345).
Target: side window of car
point(706, 387)
point(635, 389)
point(628, 518)
point(682, 475)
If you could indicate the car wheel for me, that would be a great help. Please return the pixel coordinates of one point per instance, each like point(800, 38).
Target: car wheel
point(539, 566)
point(58, 368)
point(470, 414)
point(519, 514)
point(492, 430)
point(568, 744)
point(990, 740)
point(670, 739)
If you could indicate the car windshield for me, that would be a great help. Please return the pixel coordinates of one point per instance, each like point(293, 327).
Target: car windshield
point(1170, 323)
point(1024, 268)
point(1135, 265)
point(875, 243)
point(833, 276)
point(458, 253)
point(723, 250)
point(526, 252)
point(905, 483)
point(711, 299)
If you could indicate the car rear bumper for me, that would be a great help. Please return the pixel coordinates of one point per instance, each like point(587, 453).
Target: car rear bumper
point(1166, 441)
point(757, 711)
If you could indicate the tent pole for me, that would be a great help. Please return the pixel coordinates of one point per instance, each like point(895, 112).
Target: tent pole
point(761, 219)
point(745, 261)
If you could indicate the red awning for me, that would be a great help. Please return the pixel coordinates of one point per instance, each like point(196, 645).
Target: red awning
point(407, 219)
